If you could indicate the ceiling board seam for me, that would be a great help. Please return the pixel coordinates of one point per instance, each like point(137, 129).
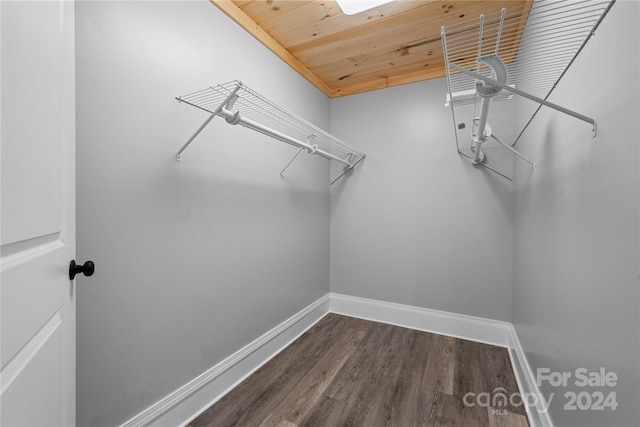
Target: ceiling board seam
point(389, 81)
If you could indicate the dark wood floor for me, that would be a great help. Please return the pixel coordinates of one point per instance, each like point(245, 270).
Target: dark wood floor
point(353, 372)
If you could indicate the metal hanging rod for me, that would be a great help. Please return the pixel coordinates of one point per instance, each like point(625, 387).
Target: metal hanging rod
point(526, 95)
point(239, 104)
point(535, 47)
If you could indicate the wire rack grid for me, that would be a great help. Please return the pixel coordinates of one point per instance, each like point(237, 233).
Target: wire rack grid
point(537, 47)
point(250, 104)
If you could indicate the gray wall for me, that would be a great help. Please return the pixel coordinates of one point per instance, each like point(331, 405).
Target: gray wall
point(196, 259)
point(415, 223)
point(576, 296)
point(193, 259)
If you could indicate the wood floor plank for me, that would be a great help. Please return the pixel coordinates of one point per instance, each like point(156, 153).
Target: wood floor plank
point(390, 388)
point(408, 387)
point(353, 372)
point(326, 412)
point(359, 381)
point(301, 398)
point(441, 364)
point(268, 385)
point(500, 380)
point(439, 408)
point(469, 379)
point(359, 372)
point(468, 376)
point(436, 409)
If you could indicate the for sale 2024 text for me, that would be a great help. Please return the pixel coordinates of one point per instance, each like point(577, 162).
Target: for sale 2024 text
point(594, 400)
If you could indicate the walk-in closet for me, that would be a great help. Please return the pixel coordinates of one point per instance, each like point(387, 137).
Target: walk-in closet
point(320, 213)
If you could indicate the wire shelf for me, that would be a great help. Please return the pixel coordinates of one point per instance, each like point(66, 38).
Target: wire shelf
point(239, 104)
point(536, 48)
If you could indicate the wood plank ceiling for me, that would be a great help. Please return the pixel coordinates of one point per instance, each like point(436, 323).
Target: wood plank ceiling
point(392, 44)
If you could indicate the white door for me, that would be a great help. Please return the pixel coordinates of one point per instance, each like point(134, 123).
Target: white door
point(37, 233)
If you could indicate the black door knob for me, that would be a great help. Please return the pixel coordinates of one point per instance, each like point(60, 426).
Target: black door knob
point(87, 269)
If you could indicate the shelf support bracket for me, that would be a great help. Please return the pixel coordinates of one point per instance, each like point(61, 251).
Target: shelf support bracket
point(347, 169)
point(206, 122)
point(290, 161)
point(312, 151)
point(516, 152)
point(526, 95)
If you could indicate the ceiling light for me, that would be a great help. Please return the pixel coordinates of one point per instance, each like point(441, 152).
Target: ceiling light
point(351, 7)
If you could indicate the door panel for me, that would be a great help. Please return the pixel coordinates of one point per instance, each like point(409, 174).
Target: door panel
point(37, 213)
point(31, 105)
point(34, 366)
point(22, 314)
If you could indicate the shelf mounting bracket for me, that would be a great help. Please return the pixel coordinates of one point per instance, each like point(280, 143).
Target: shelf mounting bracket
point(206, 122)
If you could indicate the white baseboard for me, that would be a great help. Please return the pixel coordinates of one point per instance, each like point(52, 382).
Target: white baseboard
point(538, 415)
point(478, 329)
point(185, 403)
point(441, 322)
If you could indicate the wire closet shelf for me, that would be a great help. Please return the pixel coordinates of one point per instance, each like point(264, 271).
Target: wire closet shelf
point(238, 104)
point(515, 57)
